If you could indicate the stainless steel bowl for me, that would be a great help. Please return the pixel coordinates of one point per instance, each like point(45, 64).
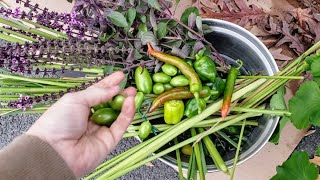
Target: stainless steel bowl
point(234, 42)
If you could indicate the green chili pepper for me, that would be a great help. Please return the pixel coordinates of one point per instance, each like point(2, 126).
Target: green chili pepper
point(161, 77)
point(178, 93)
point(173, 111)
point(143, 80)
point(158, 88)
point(117, 102)
point(100, 106)
point(138, 99)
point(185, 68)
point(167, 86)
point(145, 129)
point(179, 81)
point(206, 68)
point(187, 150)
point(169, 69)
point(105, 116)
point(228, 91)
point(192, 107)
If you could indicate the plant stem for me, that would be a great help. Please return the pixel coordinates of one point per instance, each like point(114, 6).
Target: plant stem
point(18, 34)
point(238, 150)
point(30, 90)
point(129, 168)
point(11, 39)
point(46, 28)
point(263, 111)
point(35, 80)
point(178, 160)
point(272, 77)
point(226, 137)
point(196, 150)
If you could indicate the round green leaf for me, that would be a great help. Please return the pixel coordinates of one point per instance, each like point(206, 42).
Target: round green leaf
point(118, 19)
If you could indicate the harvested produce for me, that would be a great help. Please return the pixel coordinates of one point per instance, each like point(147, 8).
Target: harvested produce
point(117, 102)
point(167, 86)
point(161, 78)
point(105, 116)
point(205, 67)
point(178, 93)
point(139, 99)
point(179, 81)
point(158, 88)
point(192, 107)
point(228, 91)
point(187, 150)
point(100, 106)
point(173, 111)
point(143, 80)
point(169, 69)
point(145, 129)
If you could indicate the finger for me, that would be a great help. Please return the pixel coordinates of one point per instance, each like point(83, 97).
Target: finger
point(119, 127)
point(92, 96)
point(111, 80)
point(130, 91)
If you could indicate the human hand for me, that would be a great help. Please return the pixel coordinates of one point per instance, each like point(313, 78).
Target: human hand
point(67, 128)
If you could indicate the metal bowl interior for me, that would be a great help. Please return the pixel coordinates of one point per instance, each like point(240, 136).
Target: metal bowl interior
point(234, 42)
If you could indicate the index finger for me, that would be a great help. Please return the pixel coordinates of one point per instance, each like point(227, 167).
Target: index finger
point(111, 80)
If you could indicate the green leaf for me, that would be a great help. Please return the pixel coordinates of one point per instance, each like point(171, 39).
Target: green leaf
point(143, 19)
point(305, 105)
point(105, 37)
point(143, 27)
point(277, 101)
point(297, 167)
point(192, 167)
point(315, 68)
point(124, 81)
point(185, 15)
point(108, 69)
point(162, 30)
point(276, 135)
point(317, 153)
point(118, 19)
point(155, 4)
point(310, 59)
point(131, 15)
point(148, 37)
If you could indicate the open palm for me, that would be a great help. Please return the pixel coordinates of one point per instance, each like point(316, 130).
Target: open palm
point(67, 128)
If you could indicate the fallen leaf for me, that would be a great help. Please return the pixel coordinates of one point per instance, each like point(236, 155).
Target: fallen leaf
point(149, 164)
point(293, 40)
point(276, 53)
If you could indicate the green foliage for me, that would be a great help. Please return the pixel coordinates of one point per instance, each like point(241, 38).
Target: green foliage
point(185, 15)
point(130, 16)
point(155, 4)
point(297, 167)
point(117, 19)
point(317, 153)
point(305, 105)
point(162, 30)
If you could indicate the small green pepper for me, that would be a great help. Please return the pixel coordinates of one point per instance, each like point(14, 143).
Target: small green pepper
point(169, 69)
point(158, 88)
point(145, 129)
point(205, 67)
point(100, 106)
point(218, 85)
point(161, 77)
point(117, 102)
point(143, 80)
point(167, 86)
point(187, 150)
point(179, 81)
point(173, 111)
point(105, 116)
point(192, 108)
point(138, 99)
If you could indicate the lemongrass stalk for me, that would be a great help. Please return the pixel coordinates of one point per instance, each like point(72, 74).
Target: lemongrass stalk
point(11, 39)
point(263, 111)
point(238, 150)
point(35, 80)
point(130, 134)
point(46, 28)
point(196, 150)
point(149, 118)
point(178, 160)
point(129, 168)
point(156, 112)
point(227, 138)
point(272, 77)
point(177, 129)
point(18, 34)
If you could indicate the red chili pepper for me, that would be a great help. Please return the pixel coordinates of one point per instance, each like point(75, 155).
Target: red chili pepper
point(228, 91)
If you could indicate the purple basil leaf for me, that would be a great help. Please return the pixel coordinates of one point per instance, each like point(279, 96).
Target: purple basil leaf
point(186, 49)
point(178, 52)
point(198, 46)
point(192, 36)
point(153, 20)
point(148, 37)
point(192, 20)
point(158, 66)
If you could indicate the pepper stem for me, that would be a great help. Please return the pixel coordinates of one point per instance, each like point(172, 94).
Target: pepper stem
point(196, 96)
